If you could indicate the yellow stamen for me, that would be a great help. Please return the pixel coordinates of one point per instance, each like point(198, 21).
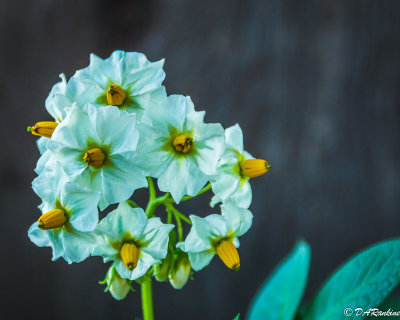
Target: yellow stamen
point(94, 157)
point(227, 251)
point(129, 255)
point(43, 128)
point(253, 168)
point(115, 95)
point(52, 219)
point(183, 143)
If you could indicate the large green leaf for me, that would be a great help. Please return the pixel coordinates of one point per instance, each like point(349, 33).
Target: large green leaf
point(362, 282)
point(280, 295)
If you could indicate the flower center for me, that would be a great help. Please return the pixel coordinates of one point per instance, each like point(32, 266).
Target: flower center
point(253, 168)
point(130, 255)
point(183, 143)
point(43, 128)
point(94, 157)
point(229, 255)
point(52, 219)
point(115, 95)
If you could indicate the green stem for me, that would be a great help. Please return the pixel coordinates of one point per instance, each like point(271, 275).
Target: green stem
point(147, 300)
point(152, 189)
point(177, 213)
point(152, 205)
point(205, 189)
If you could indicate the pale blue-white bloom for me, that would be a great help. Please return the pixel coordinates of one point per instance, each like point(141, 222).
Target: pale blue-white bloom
point(208, 233)
point(230, 182)
point(181, 167)
point(113, 135)
point(57, 103)
point(72, 240)
point(60, 98)
point(127, 225)
point(139, 78)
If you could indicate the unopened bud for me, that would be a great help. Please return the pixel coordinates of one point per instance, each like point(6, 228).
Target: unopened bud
point(181, 271)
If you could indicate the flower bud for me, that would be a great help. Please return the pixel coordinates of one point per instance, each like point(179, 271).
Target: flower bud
point(183, 143)
point(181, 271)
point(115, 95)
point(94, 157)
point(129, 255)
point(253, 168)
point(43, 128)
point(162, 270)
point(118, 287)
point(229, 255)
point(52, 219)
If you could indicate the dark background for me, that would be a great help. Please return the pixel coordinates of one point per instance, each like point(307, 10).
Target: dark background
point(314, 85)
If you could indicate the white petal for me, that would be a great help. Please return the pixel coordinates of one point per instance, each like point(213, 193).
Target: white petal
point(77, 245)
point(240, 219)
point(199, 260)
point(182, 177)
point(73, 132)
point(155, 235)
point(209, 142)
point(82, 203)
point(114, 128)
point(243, 195)
point(46, 238)
point(234, 138)
point(123, 219)
point(225, 185)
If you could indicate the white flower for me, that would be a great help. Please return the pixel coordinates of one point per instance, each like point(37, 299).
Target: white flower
point(96, 147)
point(178, 148)
point(125, 79)
point(69, 213)
point(60, 98)
point(235, 168)
point(132, 241)
point(217, 234)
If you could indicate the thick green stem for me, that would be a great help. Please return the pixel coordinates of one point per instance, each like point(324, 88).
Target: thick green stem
point(152, 205)
point(147, 300)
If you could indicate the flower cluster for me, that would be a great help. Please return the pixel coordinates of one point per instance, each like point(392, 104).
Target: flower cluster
point(114, 130)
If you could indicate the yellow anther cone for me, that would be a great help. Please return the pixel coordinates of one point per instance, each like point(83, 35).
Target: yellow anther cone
point(129, 255)
point(253, 168)
point(183, 143)
point(43, 128)
point(229, 254)
point(52, 219)
point(115, 95)
point(94, 157)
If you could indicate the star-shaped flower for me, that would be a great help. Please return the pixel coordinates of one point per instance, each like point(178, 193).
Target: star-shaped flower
point(132, 241)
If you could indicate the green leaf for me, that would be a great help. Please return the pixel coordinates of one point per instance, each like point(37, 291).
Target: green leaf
point(237, 317)
point(364, 281)
point(280, 295)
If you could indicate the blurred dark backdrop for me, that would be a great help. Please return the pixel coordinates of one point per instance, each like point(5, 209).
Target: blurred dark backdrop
point(314, 85)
